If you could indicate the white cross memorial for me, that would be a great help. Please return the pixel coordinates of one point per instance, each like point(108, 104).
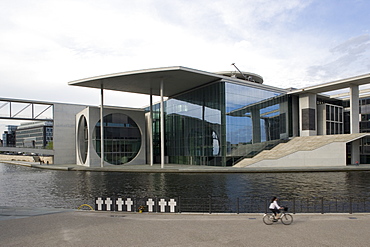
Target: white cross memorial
point(120, 203)
point(172, 204)
point(108, 202)
point(162, 204)
point(129, 203)
point(100, 203)
point(150, 204)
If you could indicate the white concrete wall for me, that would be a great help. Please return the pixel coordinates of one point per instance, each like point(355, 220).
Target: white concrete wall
point(83, 113)
point(333, 154)
point(92, 115)
point(321, 119)
point(64, 133)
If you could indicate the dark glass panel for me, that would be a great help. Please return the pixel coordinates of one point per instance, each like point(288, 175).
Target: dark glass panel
point(122, 139)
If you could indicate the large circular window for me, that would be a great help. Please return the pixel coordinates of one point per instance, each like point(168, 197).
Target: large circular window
point(122, 139)
point(82, 136)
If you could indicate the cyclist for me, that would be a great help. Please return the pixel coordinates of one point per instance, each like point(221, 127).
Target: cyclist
point(275, 208)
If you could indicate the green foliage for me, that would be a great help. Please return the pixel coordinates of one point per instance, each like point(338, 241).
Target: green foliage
point(50, 145)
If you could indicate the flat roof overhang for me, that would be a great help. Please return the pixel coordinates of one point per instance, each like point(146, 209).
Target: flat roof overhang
point(335, 85)
point(175, 79)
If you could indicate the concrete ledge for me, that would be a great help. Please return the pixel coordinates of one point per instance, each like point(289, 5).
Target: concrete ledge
point(50, 167)
point(174, 168)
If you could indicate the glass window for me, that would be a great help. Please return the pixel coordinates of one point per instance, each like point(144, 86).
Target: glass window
point(122, 139)
point(221, 122)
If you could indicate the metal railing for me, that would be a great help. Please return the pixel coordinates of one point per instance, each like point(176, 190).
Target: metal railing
point(216, 204)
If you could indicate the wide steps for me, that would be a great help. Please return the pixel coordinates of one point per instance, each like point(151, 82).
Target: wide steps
point(303, 143)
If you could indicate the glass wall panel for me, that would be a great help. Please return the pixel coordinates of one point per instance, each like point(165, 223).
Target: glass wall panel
point(220, 123)
point(255, 119)
point(122, 139)
point(193, 126)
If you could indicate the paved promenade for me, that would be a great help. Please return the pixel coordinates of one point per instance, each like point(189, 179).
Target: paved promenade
point(92, 228)
point(175, 168)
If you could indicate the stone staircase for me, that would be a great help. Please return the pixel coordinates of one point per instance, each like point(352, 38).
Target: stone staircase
point(303, 143)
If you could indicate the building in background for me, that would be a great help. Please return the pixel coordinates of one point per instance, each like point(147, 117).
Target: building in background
point(34, 135)
point(9, 136)
point(48, 128)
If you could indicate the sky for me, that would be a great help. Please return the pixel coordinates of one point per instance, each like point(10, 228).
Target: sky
point(44, 44)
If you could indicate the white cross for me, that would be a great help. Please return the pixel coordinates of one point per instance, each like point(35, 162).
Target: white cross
point(129, 204)
point(119, 203)
point(150, 204)
point(162, 204)
point(100, 203)
point(172, 204)
point(108, 202)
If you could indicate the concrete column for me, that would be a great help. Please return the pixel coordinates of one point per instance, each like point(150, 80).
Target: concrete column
point(307, 114)
point(354, 122)
point(354, 109)
point(101, 126)
point(256, 125)
point(321, 119)
point(162, 125)
point(150, 130)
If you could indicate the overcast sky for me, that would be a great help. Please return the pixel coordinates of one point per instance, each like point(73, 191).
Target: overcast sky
point(45, 44)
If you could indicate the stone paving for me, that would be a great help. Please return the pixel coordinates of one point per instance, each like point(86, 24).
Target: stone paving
point(93, 228)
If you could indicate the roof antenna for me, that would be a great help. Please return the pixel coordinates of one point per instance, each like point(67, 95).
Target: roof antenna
point(240, 72)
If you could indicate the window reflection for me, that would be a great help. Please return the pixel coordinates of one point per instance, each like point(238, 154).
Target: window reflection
point(122, 139)
point(222, 122)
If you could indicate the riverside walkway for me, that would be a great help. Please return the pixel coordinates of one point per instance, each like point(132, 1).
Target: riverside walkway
point(175, 168)
point(53, 227)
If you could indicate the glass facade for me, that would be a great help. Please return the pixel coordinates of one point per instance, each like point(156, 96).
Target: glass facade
point(365, 128)
point(194, 127)
point(334, 120)
point(34, 134)
point(222, 122)
point(122, 139)
point(256, 119)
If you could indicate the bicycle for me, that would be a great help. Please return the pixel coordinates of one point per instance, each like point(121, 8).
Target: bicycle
point(285, 218)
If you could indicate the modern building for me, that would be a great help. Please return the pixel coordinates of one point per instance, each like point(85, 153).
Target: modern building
point(124, 136)
point(212, 119)
point(9, 136)
point(52, 134)
point(34, 135)
point(225, 119)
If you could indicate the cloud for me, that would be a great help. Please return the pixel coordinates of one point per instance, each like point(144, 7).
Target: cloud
point(345, 60)
point(46, 43)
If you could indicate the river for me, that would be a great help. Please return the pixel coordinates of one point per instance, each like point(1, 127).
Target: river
point(30, 187)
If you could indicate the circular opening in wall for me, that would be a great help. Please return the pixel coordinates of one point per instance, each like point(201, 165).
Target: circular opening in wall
point(122, 139)
point(82, 137)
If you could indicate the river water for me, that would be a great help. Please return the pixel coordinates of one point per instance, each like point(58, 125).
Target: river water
point(29, 187)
